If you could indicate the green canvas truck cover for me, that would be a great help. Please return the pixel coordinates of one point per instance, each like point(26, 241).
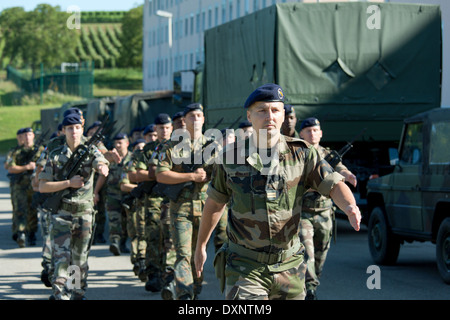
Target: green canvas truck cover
point(352, 65)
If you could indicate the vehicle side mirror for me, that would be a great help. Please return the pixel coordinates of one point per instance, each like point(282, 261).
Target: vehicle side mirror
point(393, 157)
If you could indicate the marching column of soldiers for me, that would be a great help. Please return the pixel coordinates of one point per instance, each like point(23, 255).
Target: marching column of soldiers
point(168, 209)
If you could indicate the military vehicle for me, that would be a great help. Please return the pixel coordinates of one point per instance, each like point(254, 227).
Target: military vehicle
point(413, 202)
point(354, 66)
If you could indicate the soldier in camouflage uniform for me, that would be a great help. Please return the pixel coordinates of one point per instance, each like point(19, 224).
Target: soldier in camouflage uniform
point(127, 184)
point(290, 121)
point(317, 213)
point(116, 212)
point(71, 226)
point(185, 213)
point(265, 177)
point(20, 166)
point(154, 204)
point(13, 180)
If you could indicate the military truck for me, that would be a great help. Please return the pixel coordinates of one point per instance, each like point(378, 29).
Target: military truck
point(354, 66)
point(413, 202)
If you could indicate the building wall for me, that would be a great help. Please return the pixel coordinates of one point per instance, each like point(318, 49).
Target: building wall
point(190, 19)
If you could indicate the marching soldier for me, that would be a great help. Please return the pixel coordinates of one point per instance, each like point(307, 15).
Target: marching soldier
point(186, 211)
point(20, 166)
point(72, 224)
point(116, 212)
point(317, 213)
point(265, 179)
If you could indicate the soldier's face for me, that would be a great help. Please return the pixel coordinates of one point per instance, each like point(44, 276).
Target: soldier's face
point(194, 120)
point(121, 145)
point(163, 131)
point(28, 138)
point(150, 137)
point(290, 122)
point(20, 139)
point(311, 134)
point(73, 132)
point(179, 123)
point(266, 116)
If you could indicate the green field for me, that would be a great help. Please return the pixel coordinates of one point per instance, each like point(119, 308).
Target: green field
point(107, 83)
point(16, 117)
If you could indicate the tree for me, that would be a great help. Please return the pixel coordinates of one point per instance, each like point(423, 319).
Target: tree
point(12, 21)
point(38, 36)
point(131, 38)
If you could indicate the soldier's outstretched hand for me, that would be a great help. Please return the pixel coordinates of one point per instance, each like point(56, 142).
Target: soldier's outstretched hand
point(354, 216)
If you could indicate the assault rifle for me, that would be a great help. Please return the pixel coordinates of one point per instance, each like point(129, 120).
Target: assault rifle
point(31, 154)
point(73, 167)
point(334, 157)
point(173, 191)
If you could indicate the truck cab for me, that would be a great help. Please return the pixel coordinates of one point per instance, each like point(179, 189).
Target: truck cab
point(413, 202)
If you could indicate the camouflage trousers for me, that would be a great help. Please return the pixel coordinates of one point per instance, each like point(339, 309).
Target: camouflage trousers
point(131, 231)
point(141, 212)
point(169, 254)
point(247, 279)
point(70, 237)
point(185, 217)
point(117, 219)
point(153, 236)
point(315, 234)
point(45, 219)
point(25, 217)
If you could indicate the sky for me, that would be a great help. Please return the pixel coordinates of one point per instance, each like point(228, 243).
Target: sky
point(84, 5)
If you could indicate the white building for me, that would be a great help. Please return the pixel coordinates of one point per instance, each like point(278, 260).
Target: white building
point(190, 18)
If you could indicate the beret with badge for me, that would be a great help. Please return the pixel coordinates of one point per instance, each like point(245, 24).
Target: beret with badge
point(269, 92)
point(71, 119)
point(309, 122)
point(192, 107)
point(162, 118)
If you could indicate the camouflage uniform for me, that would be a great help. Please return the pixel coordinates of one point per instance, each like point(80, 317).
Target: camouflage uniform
point(185, 215)
point(139, 219)
point(116, 212)
point(130, 210)
point(265, 258)
point(151, 233)
point(12, 188)
point(160, 251)
point(71, 226)
point(25, 218)
point(317, 228)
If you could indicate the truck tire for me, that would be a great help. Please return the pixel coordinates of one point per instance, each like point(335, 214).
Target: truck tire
point(443, 250)
point(384, 246)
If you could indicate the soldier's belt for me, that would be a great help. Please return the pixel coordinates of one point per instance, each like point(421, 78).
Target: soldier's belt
point(75, 207)
point(264, 257)
point(309, 203)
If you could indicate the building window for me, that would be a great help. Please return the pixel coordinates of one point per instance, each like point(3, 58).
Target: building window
point(150, 8)
point(238, 8)
point(216, 16)
point(197, 24)
point(224, 12)
point(203, 20)
point(247, 7)
point(263, 4)
point(255, 5)
point(209, 18)
point(230, 12)
point(186, 27)
point(192, 23)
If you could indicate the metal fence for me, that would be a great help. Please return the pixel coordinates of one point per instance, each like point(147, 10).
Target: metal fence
point(71, 79)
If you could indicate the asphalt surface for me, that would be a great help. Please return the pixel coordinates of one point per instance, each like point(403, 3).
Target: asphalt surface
point(109, 278)
point(347, 275)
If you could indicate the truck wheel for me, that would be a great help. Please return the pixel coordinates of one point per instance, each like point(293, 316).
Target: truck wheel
point(443, 250)
point(384, 246)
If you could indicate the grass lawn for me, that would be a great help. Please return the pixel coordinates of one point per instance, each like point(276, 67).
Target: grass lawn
point(107, 83)
point(15, 117)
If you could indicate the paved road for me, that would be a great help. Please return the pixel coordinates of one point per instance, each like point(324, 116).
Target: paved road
point(414, 277)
